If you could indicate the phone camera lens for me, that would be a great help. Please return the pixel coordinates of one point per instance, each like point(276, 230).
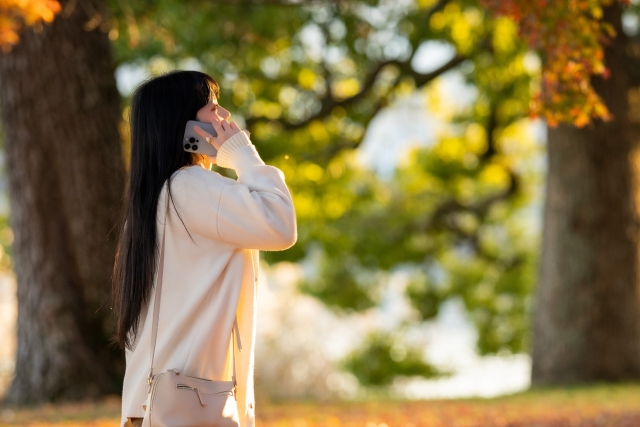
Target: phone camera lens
point(187, 146)
point(194, 147)
point(192, 140)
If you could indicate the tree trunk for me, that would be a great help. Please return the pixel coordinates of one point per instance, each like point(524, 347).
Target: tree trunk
point(587, 313)
point(60, 113)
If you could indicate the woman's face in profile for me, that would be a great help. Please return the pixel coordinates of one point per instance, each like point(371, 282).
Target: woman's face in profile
point(212, 111)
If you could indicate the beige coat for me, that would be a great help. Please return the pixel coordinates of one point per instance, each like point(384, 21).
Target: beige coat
point(211, 273)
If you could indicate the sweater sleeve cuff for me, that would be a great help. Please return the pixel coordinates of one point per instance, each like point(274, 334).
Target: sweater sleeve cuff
point(232, 153)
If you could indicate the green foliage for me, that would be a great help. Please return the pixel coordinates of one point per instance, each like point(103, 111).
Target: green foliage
point(344, 286)
point(382, 359)
point(307, 80)
point(496, 296)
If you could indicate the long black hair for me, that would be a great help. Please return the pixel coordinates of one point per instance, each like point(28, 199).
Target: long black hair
point(160, 109)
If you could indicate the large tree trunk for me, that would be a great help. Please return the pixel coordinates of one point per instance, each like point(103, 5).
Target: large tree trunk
point(587, 313)
point(60, 112)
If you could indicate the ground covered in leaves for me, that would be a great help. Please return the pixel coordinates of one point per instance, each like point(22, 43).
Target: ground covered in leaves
point(604, 406)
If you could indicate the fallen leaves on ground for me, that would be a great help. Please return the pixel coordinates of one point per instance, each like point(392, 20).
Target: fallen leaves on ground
point(605, 406)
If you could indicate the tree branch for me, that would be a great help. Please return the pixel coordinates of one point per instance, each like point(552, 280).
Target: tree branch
point(329, 103)
point(492, 124)
point(439, 218)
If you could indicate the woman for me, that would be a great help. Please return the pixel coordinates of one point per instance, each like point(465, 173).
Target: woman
point(215, 227)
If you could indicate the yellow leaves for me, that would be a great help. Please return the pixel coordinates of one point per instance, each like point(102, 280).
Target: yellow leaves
point(13, 13)
point(406, 87)
point(494, 175)
point(599, 68)
point(476, 137)
point(597, 12)
point(601, 111)
point(440, 19)
point(353, 131)
point(318, 131)
point(308, 203)
point(452, 9)
point(271, 110)
point(517, 142)
point(570, 37)
point(306, 78)
point(286, 165)
point(505, 35)
point(473, 16)
point(336, 168)
point(463, 25)
point(305, 205)
point(287, 95)
point(464, 149)
point(345, 88)
point(516, 68)
point(512, 107)
point(450, 149)
point(311, 171)
point(267, 130)
point(335, 206)
point(425, 4)
point(241, 90)
point(437, 21)
point(461, 34)
point(281, 44)
point(465, 189)
point(346, 66)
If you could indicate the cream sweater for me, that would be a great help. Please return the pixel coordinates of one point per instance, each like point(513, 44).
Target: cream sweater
point(212, 274)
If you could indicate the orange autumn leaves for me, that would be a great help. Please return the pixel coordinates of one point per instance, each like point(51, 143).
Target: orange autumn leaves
point(14, 14)
point(447, 414)
point(570, 36)
point(603, 406)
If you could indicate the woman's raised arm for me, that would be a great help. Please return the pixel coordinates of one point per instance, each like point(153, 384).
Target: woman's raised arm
point(256, 211)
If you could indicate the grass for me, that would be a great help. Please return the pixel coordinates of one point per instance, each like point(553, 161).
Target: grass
point(600, 406)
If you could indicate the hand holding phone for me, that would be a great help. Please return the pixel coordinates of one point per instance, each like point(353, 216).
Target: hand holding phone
point(194, 143)
point(223, 131)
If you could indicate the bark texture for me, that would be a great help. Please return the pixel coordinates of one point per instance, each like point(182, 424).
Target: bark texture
point(60, 115)
point(587, 313)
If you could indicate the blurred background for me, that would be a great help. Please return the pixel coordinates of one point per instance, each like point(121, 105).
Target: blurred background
point(465, 177)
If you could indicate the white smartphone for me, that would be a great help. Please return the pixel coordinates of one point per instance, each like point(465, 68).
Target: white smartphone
point(194, 143)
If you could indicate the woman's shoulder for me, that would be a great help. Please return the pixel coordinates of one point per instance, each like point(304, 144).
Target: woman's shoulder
point(194, 187)
point(194, 178)
point(195, 195)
